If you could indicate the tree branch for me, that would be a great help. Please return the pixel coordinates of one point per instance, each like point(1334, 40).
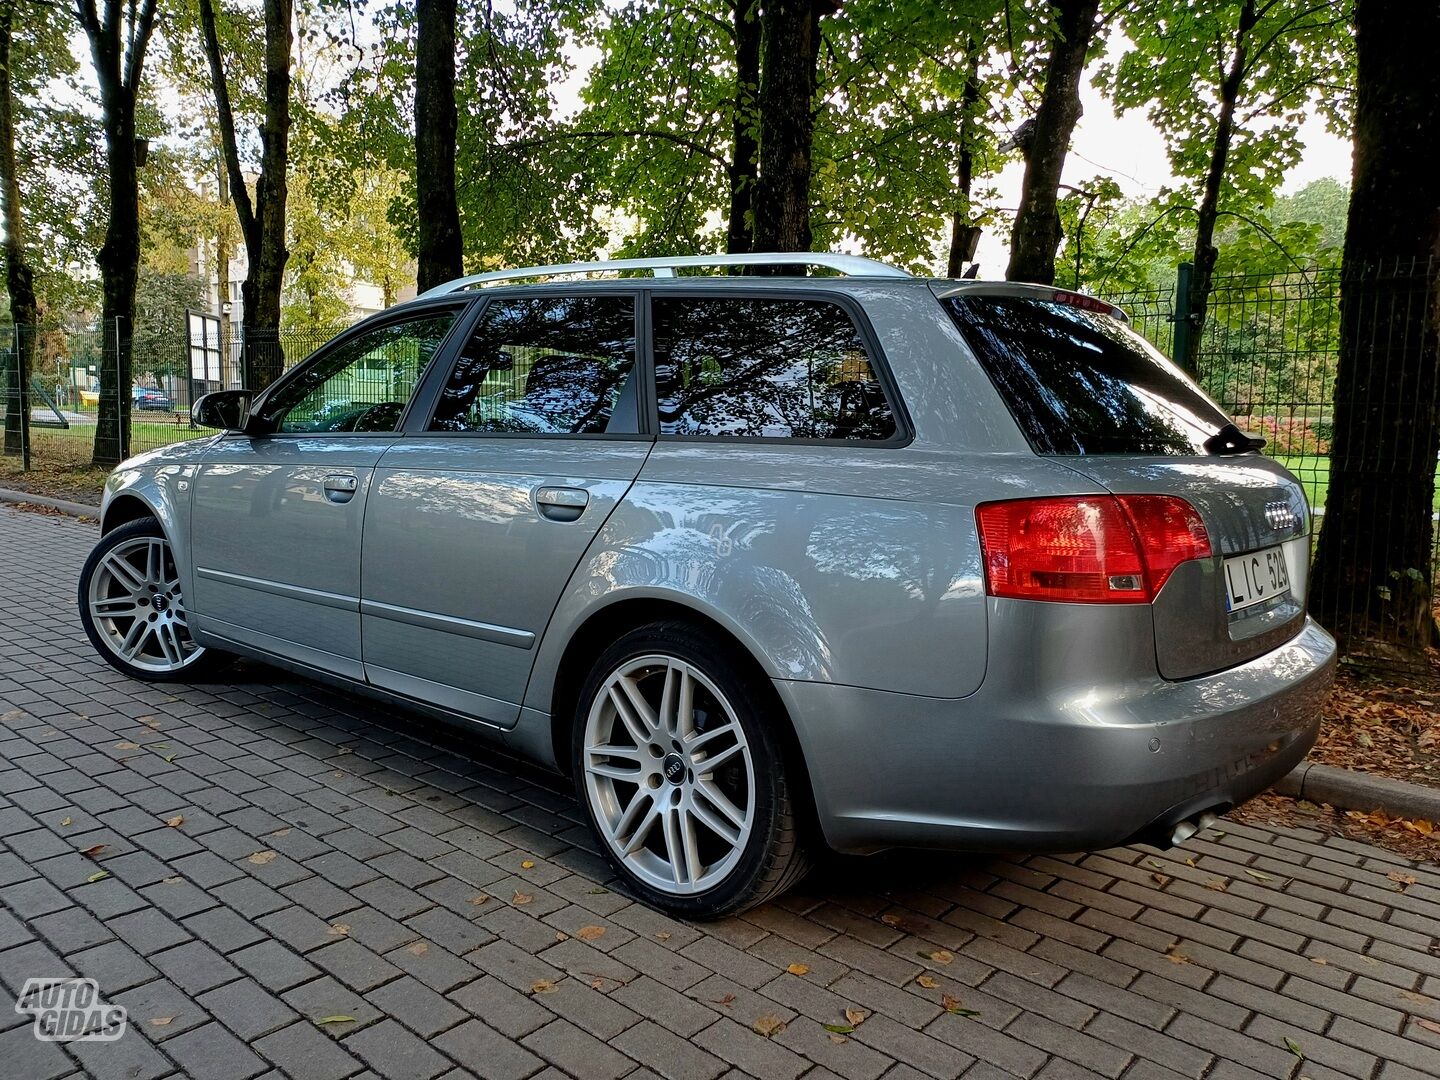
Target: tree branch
point(225, 121)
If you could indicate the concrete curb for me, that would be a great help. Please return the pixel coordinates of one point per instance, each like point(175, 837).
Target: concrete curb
point(74, 509)
point(1350, 790)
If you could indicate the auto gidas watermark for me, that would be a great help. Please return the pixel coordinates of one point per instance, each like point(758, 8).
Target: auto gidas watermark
point(70, 1010)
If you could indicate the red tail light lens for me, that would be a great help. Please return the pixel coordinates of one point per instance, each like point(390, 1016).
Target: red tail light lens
point(1090, 549)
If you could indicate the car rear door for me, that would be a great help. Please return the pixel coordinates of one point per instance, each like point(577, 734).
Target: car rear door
point(1089, 392)
point(479, 515)
point(276, 518)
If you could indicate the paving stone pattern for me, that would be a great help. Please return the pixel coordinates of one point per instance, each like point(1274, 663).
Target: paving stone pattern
point(340, 859)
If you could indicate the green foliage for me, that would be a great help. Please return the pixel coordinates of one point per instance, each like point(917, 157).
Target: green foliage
point(161, 300)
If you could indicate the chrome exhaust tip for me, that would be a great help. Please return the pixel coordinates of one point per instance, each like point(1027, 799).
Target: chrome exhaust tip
point(1182, 832)
point(1206, 821)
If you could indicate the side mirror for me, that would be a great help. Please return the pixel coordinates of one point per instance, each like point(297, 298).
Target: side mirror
point(224, 409)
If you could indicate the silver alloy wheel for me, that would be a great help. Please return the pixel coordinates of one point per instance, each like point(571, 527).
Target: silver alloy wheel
point(669, 774)
point(135, 603)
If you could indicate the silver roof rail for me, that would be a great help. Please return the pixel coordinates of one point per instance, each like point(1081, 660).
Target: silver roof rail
point(852, 265)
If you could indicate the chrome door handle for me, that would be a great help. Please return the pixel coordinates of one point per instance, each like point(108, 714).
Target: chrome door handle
point(561, 503)
point(340, 489)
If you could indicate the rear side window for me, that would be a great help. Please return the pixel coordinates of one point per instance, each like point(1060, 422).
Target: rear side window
point(765, 368)
point(1083, 382)
point(555, 365)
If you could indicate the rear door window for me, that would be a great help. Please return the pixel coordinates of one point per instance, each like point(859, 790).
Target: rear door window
point(1079, 381)
point(553, 365)
point(761, 367)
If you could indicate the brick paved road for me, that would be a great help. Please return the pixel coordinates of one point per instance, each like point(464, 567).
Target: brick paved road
point(334, 855)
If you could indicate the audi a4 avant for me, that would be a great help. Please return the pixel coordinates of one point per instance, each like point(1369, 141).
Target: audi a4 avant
point(764, 563)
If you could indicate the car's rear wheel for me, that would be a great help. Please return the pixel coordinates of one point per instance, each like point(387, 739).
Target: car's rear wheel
point(683, 775)
point(132, 608)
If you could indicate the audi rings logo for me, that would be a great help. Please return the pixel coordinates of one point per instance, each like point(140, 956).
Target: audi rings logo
point(1280, 516)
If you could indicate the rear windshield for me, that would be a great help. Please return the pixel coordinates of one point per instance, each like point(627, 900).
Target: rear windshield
point(1083, 382)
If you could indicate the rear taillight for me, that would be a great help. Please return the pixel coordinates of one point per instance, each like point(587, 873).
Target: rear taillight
point(1088, 549)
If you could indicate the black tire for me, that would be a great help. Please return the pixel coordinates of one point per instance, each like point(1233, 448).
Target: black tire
point(775, 856)
point(196, 664)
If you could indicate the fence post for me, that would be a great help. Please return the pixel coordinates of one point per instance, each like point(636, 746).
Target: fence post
point(1184, 324)
point(22, 380)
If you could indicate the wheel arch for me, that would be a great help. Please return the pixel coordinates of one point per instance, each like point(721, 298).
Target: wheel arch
point(123, 509)
point(606, 624)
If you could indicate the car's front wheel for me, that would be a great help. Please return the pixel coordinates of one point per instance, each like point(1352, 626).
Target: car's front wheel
point(682, 773)
point(132, 608)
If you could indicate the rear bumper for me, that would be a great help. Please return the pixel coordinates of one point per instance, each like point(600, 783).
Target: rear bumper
point(1013, 767)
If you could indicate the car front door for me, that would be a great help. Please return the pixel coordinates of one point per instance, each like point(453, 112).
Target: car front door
point(276, 518)
point(478, 516)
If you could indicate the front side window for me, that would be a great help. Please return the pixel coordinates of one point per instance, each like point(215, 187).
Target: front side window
point(554, 365)
point(765, 368)
point(362, 384)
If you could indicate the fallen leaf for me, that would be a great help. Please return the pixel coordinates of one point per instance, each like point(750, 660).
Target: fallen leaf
point(1401, 879)
point(662, 935)
point(94, 851)
point(1422, 826)
point(479, 898)
point(1161, 879)
point(1428, 1025)
point(171, 880)
point(1218, 885)
point(560, 935)
point(838, 1029)
point(596, 892)
point(336, 1020)
point(597, 983)
point(837, 1039)
point(727, 1000)
point(590, 933)
point(127, 746)
point(1156, 863)
point(890, 920)
point(420, 948)
point(1294, 1048)
point(1319, 960)
point(927, 981)
point(161, 1021)
point(528, 864)
point(1176, 957)
point(167, 758)
point(260, 858)
point(339, 929)
point(98, 875)
point(798, 969)
point(942, 956)
point(176, 821)
point(281, 832)
point(1189, 862)
point(855, 1017)
point(521, 898)
point(542, 986)
point(769, 1025)
point(1258, 876)
point(64, 821)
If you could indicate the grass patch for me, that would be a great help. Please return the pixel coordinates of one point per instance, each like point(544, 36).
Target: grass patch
point(1313, 472)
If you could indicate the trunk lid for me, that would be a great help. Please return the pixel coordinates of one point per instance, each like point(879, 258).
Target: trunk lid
point(1251, 507)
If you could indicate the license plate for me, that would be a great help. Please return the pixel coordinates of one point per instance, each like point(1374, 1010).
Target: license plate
point(1254, 578)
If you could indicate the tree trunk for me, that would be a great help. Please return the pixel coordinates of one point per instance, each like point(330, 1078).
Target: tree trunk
point(744, 163)
point(1373, 569)
point(262, 221)
point(441, 246)
point(19, 279)
point(789, 52)
point(1035, 238)
point(1205, 251)
point(960, 227)
point(117, 46)
point(222, 280)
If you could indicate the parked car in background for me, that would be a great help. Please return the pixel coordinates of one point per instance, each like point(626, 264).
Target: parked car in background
point(151, 398)
point(764, 563)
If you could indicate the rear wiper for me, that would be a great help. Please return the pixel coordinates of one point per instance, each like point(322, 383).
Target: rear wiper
point(1231, 440)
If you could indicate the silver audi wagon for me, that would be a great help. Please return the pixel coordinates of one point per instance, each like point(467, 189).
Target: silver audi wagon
point(763, 562)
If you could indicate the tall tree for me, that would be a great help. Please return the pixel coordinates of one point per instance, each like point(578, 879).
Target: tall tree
point(1035, 238)
point(1372, 577)
point(262, 219)
point(119, 38)
point(441, 247)
point(19, 278)
point(1228, 85)
point(745, 144)
point(790, 50)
